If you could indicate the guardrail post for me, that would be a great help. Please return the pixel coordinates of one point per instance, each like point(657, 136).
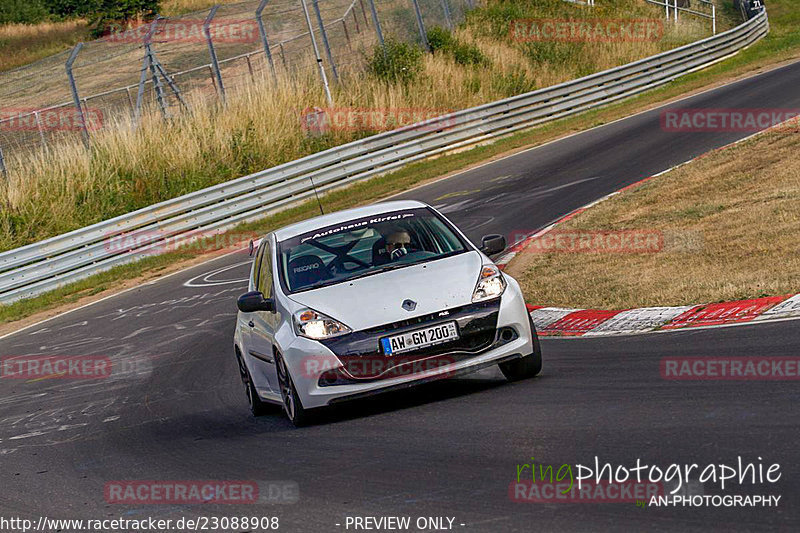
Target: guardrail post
point(316, 53)
point(263, 31)
point(212, 51)
point(377, 24)
point(421, 25)
point(324, 34)
point(74, 89)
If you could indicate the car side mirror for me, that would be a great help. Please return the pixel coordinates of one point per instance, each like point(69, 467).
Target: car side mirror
point(493, 244)
point(251, 302)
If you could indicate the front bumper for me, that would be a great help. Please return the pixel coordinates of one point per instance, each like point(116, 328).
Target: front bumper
point(353, 366)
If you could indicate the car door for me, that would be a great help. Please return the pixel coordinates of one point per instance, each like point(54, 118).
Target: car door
point(262, 331)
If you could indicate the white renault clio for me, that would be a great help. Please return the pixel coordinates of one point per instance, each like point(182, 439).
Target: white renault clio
point(373, 299)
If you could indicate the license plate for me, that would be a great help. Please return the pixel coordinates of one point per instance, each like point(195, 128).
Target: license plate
point(420, 338)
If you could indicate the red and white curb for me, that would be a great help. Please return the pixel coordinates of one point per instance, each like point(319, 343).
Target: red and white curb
point(558, 321)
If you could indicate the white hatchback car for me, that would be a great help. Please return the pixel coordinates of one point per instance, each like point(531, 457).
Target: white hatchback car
point(373, 299)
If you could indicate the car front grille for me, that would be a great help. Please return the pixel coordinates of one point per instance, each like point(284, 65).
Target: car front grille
point(363, 360)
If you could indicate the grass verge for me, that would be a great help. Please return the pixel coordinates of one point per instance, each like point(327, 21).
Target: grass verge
point(729, 223)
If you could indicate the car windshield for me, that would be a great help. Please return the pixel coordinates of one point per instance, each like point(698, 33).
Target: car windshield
point(365, 246)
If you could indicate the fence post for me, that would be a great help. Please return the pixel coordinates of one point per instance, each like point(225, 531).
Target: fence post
point(316, 53)
point(148, 58)
point(74, 89)
point(346, 35)
point(324, 34)
point(377, 24)
point(363, 12)
point(263, 31)
point(3, 163)
point(39, 127)
point(162, 103)
point(714, 18)
point(447, 17)
point(421, 25)
point(212, 52)
point(676, 11)
point(283, 56)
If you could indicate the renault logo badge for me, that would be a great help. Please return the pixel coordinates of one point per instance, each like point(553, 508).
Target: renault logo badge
point(409, 305)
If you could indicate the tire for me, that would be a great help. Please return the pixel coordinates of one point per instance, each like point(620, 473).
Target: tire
point(525, 367)
point(257, 407)
point(292, 405)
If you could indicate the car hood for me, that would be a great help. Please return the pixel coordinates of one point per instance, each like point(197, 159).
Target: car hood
point(375, 300)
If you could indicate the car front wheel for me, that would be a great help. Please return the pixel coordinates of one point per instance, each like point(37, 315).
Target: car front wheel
point(292, 405)
point(525, 367)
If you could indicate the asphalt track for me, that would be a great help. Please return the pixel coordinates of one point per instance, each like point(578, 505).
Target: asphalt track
point(174, 408)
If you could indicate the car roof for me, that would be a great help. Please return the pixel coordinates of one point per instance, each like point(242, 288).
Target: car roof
point(339, 217)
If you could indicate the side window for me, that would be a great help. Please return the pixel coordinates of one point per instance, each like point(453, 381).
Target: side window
point(257, 260)
point(264, 276)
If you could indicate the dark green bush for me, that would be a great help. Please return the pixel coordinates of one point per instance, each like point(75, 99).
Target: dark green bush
point(400, 62)
point(442, 41)
point(22, 11)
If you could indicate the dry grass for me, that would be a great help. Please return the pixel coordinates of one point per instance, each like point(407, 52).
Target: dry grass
point(21, 44)
point(127, 169)
point(743, 204)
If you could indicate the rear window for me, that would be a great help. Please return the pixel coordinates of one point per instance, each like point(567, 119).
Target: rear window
point(365, 246)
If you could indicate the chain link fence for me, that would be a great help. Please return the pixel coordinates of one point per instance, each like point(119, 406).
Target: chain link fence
point(165, 64)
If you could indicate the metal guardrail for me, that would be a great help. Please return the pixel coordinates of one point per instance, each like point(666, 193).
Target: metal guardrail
point(54, 262)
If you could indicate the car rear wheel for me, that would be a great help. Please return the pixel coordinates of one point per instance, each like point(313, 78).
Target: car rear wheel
point(292, 405)
point(525, 367)
point(257, 407)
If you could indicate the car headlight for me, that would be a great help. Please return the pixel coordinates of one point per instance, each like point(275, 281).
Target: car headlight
point(314, 325)
point(491, 284)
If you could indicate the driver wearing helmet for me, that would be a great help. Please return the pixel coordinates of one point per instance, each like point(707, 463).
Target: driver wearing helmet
point(397, 244)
